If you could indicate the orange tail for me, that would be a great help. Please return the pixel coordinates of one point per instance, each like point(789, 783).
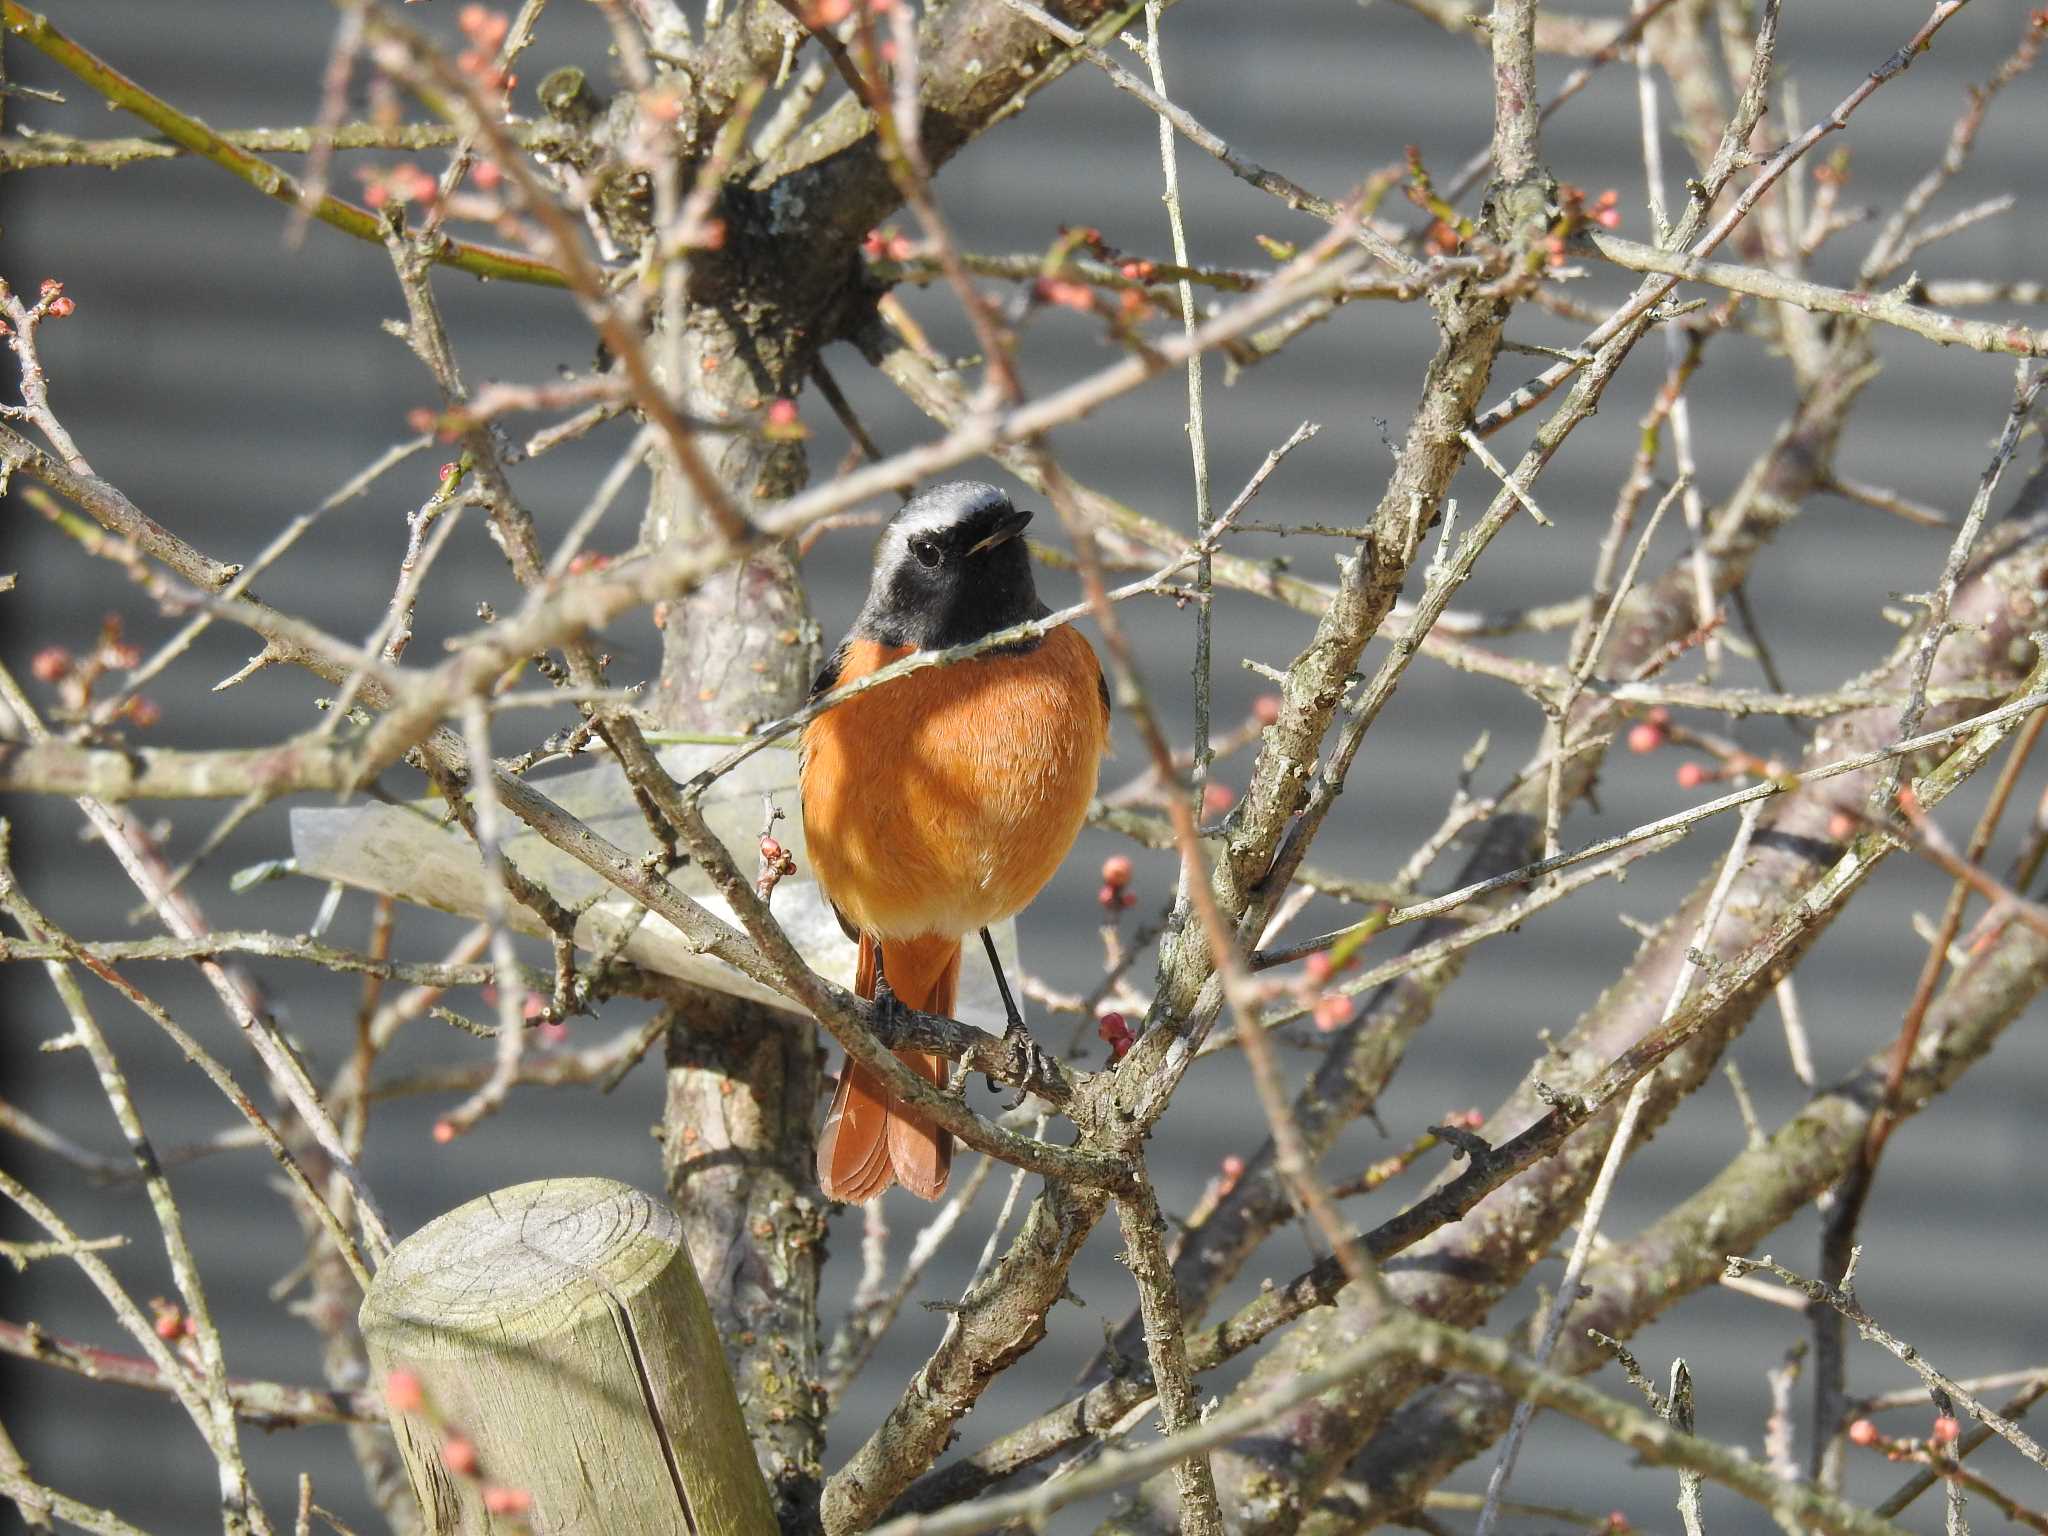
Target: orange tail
point(868, 1139)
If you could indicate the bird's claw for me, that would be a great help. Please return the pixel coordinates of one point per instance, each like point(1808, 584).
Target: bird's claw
point(1029, 1059)
point(889, 1008)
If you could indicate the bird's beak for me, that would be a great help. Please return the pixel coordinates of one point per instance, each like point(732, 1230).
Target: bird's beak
point(1010, 527)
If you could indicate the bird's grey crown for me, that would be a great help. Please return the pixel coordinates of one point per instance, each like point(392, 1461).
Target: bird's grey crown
point(957, 501)
point(938, 510)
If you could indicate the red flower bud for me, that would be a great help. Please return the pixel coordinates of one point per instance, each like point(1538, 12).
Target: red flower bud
point(1266, 708)
point(1116, 871)
point(1946, 1430)
point(1116, 1034)
point(1863, 1432)
point(402, 1392)
point(1333, 1011)
point(507, 1501)
point(52, 664)
point(1691, 775)
point(1644, 737)
point(1069, 295)
point(459, 1457)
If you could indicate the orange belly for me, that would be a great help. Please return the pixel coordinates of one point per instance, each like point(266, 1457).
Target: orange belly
point(944, 801)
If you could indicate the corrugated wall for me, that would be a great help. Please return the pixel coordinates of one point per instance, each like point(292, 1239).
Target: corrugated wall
point(227, 381)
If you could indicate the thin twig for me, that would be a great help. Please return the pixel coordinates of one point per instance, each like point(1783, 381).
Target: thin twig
point(1841, 1301)
point(1618, 1150)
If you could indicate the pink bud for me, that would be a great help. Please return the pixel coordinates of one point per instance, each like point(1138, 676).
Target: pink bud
point(1333, 1011)
point(402, 1393)
point(507, 1501)
point(1114, 1032)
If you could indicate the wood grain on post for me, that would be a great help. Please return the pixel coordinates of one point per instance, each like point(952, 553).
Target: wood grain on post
point(558, 1326)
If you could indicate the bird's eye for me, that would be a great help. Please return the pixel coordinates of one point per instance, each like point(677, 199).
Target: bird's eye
point(926, 551)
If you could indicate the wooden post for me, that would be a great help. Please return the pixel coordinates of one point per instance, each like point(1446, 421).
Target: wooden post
point(558, 1327)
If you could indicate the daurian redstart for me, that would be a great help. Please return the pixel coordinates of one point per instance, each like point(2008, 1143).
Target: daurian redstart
point(940, 802)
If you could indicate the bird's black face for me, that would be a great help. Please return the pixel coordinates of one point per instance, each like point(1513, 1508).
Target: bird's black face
point(950, 568)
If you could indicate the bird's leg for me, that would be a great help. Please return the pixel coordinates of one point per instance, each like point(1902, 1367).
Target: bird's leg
point(889, 1009)
point(1031, 1061)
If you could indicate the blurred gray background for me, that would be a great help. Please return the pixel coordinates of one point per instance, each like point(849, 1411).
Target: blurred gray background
point(227, 382)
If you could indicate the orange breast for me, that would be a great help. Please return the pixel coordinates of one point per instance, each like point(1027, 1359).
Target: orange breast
point(944, 801)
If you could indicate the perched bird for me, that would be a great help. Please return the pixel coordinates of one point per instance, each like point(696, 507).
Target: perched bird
point(941, 802)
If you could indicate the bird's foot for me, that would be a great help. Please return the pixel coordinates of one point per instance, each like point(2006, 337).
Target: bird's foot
point(1028, 1058)
point(889, 1009)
